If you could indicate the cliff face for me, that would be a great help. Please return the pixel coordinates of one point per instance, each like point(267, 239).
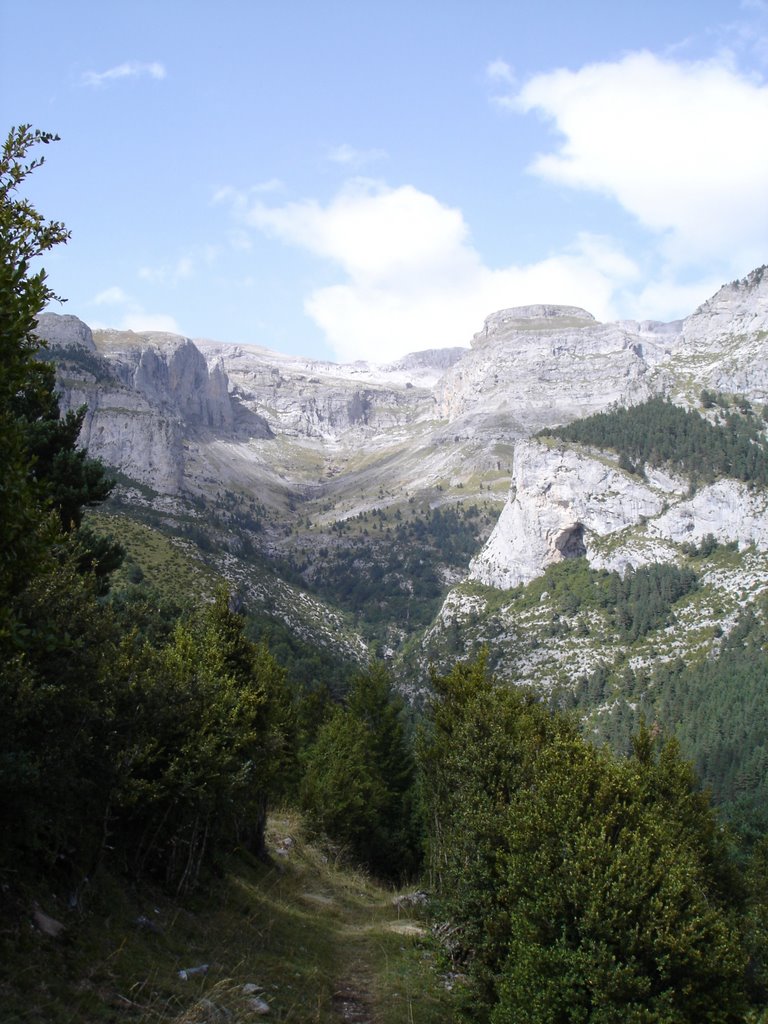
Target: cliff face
point(563, 504)
point(144, 400)
point(183, 415)
point(724, 343)
point(559, 502)
point(324, 402)
point(539, 365)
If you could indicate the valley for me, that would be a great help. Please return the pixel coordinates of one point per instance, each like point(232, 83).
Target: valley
point(373, 496)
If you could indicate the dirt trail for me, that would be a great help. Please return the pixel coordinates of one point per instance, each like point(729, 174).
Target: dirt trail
point(358, 934)
point(352, 1006)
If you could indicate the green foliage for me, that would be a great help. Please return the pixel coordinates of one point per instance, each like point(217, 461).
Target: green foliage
point(167, 754)
point(662, 434)
point(634, 604)
point(57, 705)
point(717, 709)
point(584, 887)
point(303, 927)
point(339, 790)
point(24, 235)
point(359, 778)
point(387, 568)
point(67, 480)
point(119, 729)
point(308, 668)
point(205, 735)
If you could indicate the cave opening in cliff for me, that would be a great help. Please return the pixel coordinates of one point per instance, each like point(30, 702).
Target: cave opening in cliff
point(570, 543)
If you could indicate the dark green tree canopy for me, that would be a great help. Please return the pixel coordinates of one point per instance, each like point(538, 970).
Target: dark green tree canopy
point(584, 887)
point(24, 236)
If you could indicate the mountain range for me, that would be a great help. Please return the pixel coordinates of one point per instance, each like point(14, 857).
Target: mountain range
point(398, 509)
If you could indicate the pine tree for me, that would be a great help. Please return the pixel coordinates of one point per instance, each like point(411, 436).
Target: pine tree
point(583, 887)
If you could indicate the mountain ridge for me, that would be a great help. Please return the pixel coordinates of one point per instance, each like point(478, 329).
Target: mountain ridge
point(339, 462)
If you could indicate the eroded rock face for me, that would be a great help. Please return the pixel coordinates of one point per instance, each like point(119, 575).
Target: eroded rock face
point(313, 399)
point(60, 331)
point(727, 509)
point(563, 502)
point(171, 412)
point(126, 431)
point(558, 501)
point(172, 374)
point(739, 308)
point(724, 343)
point(151, 395)
point(541, 365)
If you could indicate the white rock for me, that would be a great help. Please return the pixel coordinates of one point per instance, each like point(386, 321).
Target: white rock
point(558, 500)
point(562, 501)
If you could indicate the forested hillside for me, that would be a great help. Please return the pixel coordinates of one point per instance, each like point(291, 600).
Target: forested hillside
point(660, 433)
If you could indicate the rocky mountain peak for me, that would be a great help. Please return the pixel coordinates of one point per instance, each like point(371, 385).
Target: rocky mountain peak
point(506, 322)
point(64, 331)
point(738, 308)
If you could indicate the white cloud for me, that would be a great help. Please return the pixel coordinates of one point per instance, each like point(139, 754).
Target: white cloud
point(353, 158)
point(502, 78)
point(130, 69)
point(372, 231)
point(140, 321)
point(499, 71)
point(113, 296)
point(182, 270)
point(682, 146)
point(414, 280)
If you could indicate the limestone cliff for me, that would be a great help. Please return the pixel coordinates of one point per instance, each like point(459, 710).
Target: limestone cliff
point(565, 503)
point(144, 397)
point(183, 415)
point(724, 343)
point(559, 501)
point(539, 365)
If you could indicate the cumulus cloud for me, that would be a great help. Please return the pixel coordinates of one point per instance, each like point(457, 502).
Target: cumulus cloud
point(130, 69)
point(681, 146)
point(678, 145)
point(499, 71)
point(414, 280)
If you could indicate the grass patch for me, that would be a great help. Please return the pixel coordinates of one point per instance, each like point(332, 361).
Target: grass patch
point(152, 556)
point(305, 934)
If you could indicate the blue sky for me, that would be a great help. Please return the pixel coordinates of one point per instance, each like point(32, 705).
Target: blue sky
point(359, 179)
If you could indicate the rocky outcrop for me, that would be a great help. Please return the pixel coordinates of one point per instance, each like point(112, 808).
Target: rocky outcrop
point(559, 501)
point(728, 510)
point(145, 396)
point(564, 503)
point(173, 412)
point(738, 309)
point(724, 343)
point(173, 375)
point(127, 432)
point(58, 331)
point(311, 399)
point(541, 365)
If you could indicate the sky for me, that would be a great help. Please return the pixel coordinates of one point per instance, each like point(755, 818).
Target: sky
point(358, 180)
